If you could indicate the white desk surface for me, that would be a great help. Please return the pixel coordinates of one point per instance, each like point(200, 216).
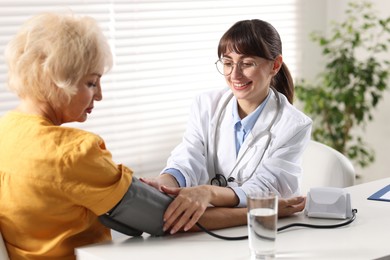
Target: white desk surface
point(366, 238)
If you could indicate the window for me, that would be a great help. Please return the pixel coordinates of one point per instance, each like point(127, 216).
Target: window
point(164, 54)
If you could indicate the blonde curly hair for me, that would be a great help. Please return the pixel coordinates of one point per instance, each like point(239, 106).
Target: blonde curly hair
point(52, 52)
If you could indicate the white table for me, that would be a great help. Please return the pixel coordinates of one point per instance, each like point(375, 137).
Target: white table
point(368, 237)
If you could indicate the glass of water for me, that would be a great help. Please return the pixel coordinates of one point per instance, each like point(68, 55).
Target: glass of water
point(262, 224)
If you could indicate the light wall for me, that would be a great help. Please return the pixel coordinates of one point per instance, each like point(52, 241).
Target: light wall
point(317, 16)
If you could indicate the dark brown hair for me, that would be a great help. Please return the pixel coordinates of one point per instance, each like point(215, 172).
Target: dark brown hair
point(258, 38)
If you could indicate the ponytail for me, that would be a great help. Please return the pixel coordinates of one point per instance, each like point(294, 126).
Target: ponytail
point(283, 83)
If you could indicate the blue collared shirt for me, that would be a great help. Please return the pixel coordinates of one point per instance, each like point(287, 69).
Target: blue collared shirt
point(242, 128)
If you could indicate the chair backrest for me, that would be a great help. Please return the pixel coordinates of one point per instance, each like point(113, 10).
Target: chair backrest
point(324, 166)
point(3, 250)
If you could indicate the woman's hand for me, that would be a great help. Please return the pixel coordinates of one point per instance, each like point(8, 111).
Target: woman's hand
point(188, 206)
point(161, 180)
point(290, 206)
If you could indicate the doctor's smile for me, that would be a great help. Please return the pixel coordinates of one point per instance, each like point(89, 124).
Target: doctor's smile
point(241, 86)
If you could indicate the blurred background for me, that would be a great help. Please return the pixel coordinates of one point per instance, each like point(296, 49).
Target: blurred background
point(164, 53)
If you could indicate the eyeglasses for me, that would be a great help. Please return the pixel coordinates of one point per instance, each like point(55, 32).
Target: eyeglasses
point(225, 66)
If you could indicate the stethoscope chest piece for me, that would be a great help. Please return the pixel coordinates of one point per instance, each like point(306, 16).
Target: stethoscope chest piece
point(219, 180)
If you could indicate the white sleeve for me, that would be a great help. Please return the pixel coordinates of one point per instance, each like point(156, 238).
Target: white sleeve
point(189, 157)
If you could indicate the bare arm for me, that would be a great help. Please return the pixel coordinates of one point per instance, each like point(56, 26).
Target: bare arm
point(219, 217)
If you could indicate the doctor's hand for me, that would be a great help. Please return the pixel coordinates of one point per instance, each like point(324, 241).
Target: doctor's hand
point(162, 180)
point(288, 207)
point(186, 209)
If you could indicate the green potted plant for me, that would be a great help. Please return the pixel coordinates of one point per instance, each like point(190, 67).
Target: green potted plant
point(352, 83)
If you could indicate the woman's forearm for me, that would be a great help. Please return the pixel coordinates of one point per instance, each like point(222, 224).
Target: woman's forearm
point(222, 196)
point(221, 217)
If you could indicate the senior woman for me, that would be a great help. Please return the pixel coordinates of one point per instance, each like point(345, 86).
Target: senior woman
point(55, 181)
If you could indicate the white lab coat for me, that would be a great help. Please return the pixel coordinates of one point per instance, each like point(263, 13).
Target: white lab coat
point(278, 171)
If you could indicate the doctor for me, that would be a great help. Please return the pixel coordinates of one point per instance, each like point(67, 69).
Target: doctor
point(239, 139)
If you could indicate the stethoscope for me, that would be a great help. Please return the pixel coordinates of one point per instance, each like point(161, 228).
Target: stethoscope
point(220, 179)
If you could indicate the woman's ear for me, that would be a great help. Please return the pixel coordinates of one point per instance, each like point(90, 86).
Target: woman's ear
point(278, 62)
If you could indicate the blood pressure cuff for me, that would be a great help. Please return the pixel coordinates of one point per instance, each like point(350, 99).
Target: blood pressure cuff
point(140, 210)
